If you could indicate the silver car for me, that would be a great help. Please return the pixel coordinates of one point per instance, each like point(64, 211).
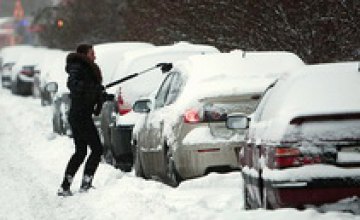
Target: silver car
point(182, 133)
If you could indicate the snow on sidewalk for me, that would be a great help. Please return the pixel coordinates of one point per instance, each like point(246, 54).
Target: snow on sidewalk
point(33, 159)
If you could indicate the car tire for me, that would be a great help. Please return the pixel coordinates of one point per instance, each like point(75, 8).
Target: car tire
point(172, 177)
point(43, 102)
point(35, 92)
point(139, 172)
point(265, 201)
point(246, 198)
point(109, 158)
point(14, 88)
point(55, 125)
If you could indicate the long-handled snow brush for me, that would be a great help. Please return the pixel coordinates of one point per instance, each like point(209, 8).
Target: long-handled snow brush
point(165, 67)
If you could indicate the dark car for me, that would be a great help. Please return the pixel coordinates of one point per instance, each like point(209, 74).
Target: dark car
point(303, 141)
point(23, 81)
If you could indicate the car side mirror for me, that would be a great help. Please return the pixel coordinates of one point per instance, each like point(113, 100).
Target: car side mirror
point(142, 106)
point(51, 87)
point(237, 121)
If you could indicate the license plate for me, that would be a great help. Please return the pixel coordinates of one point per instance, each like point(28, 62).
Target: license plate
point(349, 155)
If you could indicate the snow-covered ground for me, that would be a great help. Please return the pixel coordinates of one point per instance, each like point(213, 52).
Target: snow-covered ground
point(33, 159)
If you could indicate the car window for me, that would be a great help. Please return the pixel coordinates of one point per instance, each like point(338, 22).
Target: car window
point(163, 91)
point(175, 88)
point(259, 113)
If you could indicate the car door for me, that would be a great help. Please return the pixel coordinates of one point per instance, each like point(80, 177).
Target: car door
point(253, 151)
point(154, 125)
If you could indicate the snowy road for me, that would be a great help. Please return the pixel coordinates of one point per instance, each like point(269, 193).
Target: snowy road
point(32, 161)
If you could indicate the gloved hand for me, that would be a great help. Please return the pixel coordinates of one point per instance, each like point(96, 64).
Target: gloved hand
point(97, 109)
point(99, 88)
point(107, 96)
point(100, 99)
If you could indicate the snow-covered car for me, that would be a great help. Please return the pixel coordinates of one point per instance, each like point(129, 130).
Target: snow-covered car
point(60, 98)
point(119, 128)
point(108, 56)
point(44, 70)
point(22, 76)
point(8, 57)
point(182, 134)
point(302, 145)
point(6, 74)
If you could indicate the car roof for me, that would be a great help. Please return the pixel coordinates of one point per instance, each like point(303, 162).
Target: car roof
point(237, 72)
point(181, 46)
point(237, 62)
point(316, 89)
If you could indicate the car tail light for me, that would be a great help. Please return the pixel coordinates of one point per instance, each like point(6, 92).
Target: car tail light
point(123, 108)
point(27, 72)
point(192, 116)
point(293, 157)
point(208, 150)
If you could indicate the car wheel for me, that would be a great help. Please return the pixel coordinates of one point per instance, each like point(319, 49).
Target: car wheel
point(173, 178)
point(139, 172)
point(108, 157)
point(55, 125)
point(14, 88)
point(246, 198)
point(265, 201)
point(106, 138)
point(35, 92)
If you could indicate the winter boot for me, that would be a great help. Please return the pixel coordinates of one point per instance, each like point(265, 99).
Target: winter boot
point(63, 192)
point(64, 189)
point(86, 183)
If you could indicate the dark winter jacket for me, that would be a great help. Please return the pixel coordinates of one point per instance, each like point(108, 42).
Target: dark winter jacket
point(84, 83)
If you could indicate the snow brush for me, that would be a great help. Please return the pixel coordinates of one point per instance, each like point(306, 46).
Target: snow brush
point(165, 67)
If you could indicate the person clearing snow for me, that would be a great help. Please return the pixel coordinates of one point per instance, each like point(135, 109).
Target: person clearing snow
point(84, 83)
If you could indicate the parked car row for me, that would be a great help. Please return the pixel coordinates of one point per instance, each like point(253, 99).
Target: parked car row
point(293, 130)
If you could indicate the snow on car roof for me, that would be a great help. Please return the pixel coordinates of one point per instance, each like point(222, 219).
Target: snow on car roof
point(314, 89)
point(253, 64)
point(120, 45)
point(110, 55)
point(13, 53)
point(236, 72)
point(181, 46)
